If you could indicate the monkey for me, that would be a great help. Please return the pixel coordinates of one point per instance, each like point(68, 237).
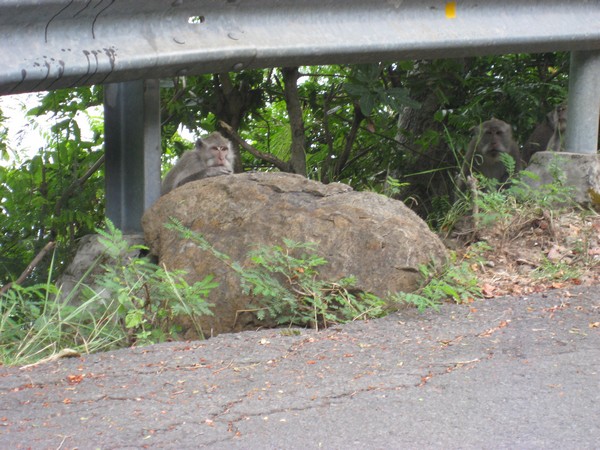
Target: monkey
point(490, 140)
point(559, 120)
point(548, 135)
point(212, 156)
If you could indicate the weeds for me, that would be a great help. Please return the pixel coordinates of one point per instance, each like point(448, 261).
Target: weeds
point(285, 283)
point(456, 281)
point(149, 297)
point(507, 206)
point(131, 302)
point(556, 270)
point(34, 323)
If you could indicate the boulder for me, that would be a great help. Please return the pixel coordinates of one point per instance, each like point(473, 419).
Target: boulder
point(87, 265)
point(580, 171)
point(377, 239)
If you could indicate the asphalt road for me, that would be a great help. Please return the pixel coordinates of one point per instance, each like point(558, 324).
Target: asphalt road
point(520, 373)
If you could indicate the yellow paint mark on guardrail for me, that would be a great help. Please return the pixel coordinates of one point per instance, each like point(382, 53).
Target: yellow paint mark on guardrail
point(451, 10)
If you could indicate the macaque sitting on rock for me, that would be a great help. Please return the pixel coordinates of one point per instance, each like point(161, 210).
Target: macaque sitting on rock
point(211, 157)
point(548, 135)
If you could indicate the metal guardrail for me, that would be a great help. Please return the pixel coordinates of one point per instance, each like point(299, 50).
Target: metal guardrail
point(49, 44)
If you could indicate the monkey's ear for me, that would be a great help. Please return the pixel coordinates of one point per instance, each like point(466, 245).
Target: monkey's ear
point(198, 143)
point(474, 129)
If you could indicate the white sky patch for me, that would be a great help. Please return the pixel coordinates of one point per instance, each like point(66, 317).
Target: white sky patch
point(28, 134)
point(25, 136)
point(186, 134)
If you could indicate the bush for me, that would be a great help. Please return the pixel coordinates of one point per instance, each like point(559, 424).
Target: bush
point(132, 302)
point(285, 282)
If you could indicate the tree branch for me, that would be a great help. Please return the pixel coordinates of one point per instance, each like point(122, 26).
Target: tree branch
point(281, 165)
point(34, 262)
point(76, 185)
point(294, 108)
point(356, 121)
point(325, 175)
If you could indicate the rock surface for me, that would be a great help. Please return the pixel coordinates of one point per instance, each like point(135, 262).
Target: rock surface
point(87, 265)
point(376, 239)
point(578, 170)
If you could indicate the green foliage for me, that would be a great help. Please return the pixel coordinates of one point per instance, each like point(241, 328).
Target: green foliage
point(517, 88)
point(351, 126)
point(284, 280)
point(33, 325)
point(132, 302)
point(551, 195)
point(393, 187)
point(4, 154)
point(366, 84)
point(495, 203)
point(458, 94)
point(149, 298)
point(35, 322)
point(456, 282)
point(50, 195)
point(500, 206)
point(556, 270)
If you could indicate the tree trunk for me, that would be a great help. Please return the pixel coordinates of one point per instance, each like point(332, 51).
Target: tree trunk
point(292, 100)
point(432, 169)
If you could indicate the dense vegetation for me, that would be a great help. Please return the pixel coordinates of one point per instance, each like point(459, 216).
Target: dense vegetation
point(354, 124)
point(398, 128)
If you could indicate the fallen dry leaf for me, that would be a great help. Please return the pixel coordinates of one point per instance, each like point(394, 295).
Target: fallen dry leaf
point(491, 331)
point(425, 379)
point(75, 379)
point(488, 290)
point(555, 253)
point(510, 262)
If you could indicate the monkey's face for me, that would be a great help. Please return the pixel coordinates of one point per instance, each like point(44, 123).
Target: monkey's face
point(495, 139)
point(558, 118)
point(219, 154)
point(216, 151)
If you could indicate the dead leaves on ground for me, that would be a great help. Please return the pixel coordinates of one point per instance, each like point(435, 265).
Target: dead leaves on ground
point(540, 257)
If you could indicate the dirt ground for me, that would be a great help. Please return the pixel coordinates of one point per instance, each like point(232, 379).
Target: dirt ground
point(533, 253)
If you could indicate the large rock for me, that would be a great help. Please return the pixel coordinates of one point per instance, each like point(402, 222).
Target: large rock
point(580, 171)
point(87, 265)
point(376, 239)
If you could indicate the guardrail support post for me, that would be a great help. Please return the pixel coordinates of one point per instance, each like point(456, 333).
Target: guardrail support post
point(133, 150)
point(584, 102)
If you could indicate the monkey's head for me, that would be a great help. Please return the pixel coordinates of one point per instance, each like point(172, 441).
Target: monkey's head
point(492, 138)
point(558, 117)
point(215, 150)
